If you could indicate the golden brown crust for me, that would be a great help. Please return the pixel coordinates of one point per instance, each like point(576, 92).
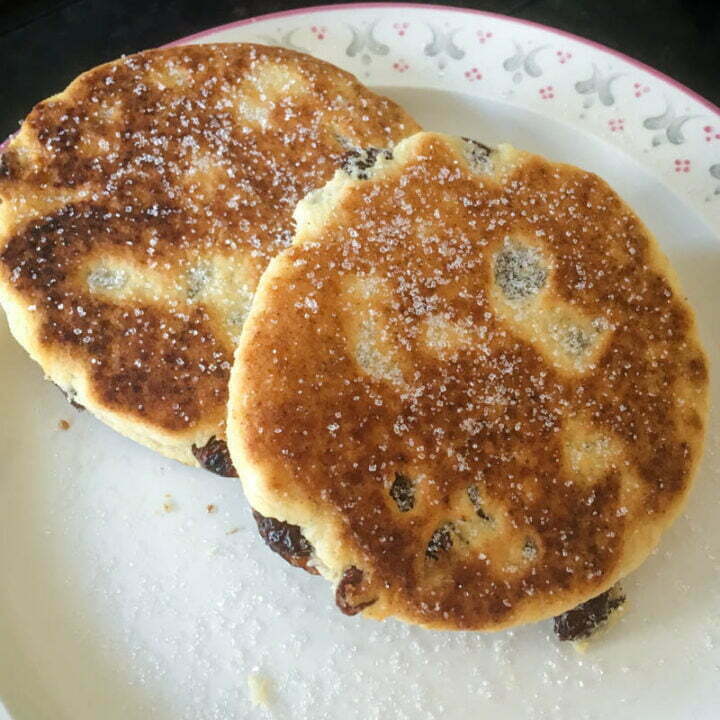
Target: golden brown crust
point(501, 332)
point(139, 207)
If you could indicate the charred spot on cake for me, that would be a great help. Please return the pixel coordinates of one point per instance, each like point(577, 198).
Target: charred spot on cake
point(286, 540)
point(348, 594)
point(518, 271)
point(402, 491)
point(474, 495)
point(440, 542)
point(357, 162)
point(584, 620)
point(478, 155)
point(215, 457)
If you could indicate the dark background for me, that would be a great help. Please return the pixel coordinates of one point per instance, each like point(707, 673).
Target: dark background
point(46, 43)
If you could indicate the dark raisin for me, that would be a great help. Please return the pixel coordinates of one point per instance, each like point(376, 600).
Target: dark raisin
point(349, 583)
point(70, 398)
point(286, 540)
point(357, 161)
point(8, 164)
point(582, 621)
point(485, 149)
point(215, 457)
point(529, 550)
point(403, 492)
point(478, 154)
point(474, 495)
point(440, 541)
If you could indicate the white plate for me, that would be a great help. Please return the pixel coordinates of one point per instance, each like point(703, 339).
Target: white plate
point(113, 608)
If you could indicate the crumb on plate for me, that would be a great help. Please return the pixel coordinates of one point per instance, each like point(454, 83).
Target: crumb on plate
point(259, 686)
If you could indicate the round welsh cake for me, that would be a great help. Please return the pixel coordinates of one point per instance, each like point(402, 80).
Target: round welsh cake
point(138, 209)
point(473, 384)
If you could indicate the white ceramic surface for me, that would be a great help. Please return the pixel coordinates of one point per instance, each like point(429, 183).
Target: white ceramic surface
point(122, 597)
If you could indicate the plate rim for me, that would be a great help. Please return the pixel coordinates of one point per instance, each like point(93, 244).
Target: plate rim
point(314, 9)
